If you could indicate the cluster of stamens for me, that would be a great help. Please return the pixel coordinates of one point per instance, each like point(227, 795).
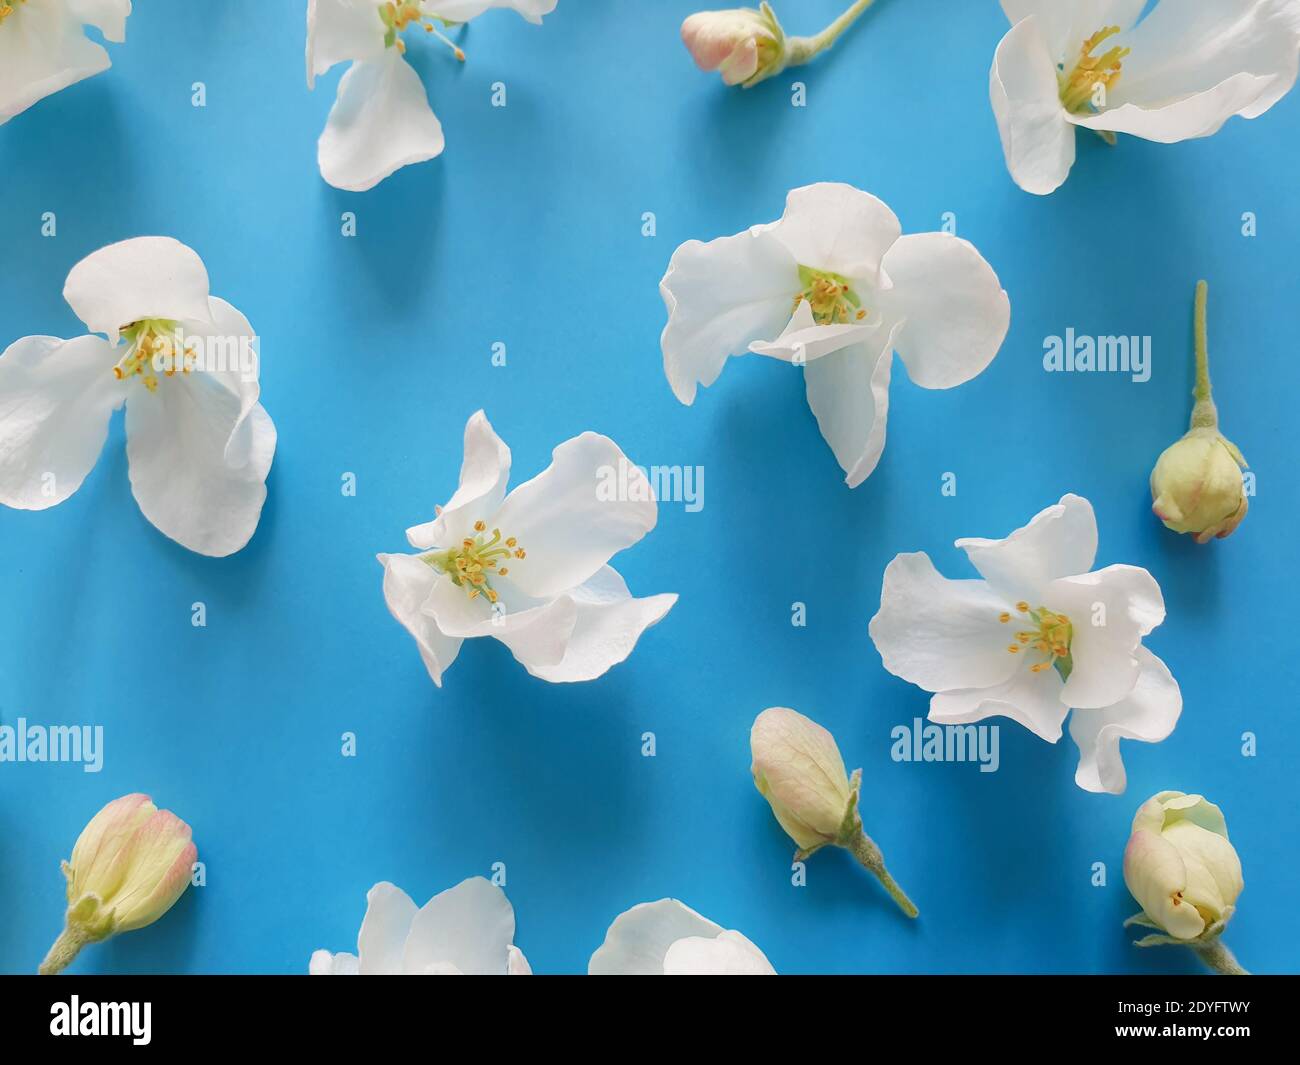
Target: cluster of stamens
point(1080, 84)
point(477, 561)
point(1050, 636)
point(397, 15)
point(830, 297)
point(154, 346)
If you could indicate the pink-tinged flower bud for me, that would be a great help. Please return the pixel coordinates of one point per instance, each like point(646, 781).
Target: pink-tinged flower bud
point(129, 866)
point(742, 44)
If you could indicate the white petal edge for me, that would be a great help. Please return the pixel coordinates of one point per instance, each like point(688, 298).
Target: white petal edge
point(484, 474)
point(1059, 541)
point(469, 926)
point(56, 400)
point(381, 121)
point(407, 584)
point(144, 277)
point(1148, 714)
point(341, 31)
point(638, 940)
point(384, 929)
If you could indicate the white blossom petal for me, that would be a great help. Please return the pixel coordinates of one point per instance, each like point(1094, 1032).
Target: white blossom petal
point(952, 311)
point(848, 392)
point(145, 277)
point(835, 227)
point(516, 963)
point(1066, 25)
point(1149, 713)
point(323, 963)
point(43, 50)
point(565, 519)
point(1196, 63)
point(407, 584)
point(484, 474)
point(1028, 698)
point(1110, 611)
point(637, 942)
point(464, 10)
point(722, 297)
point(608, 623)
point(107, 16)
point(1060, 541)
point(727, 954)
point(382, 939)
point(804, 341)
point(56, 398)
point(197, 471)
point(1037, 136)
point(339, 31)
point(941, 634)
point(380, 122)
point(469, 926)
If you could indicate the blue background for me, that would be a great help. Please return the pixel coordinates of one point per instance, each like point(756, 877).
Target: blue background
point(527, 231)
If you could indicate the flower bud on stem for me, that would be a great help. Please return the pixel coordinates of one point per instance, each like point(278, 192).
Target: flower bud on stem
point(864, 849)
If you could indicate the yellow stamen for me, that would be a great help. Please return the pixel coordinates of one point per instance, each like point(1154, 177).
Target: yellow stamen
point(478, 558)
point(1091, 73)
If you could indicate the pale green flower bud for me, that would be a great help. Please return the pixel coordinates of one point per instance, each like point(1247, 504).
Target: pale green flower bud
point(797, 768)
point(1182, 869)
point(1197, 486)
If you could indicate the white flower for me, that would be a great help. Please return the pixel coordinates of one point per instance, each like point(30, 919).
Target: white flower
point(381, 120)
point(467, 930)
point(529, 568)
point(1041, 634)
point(184, 363)
point(667, 938)
point(1180, 72)
point(43, 48)
point(835, 287)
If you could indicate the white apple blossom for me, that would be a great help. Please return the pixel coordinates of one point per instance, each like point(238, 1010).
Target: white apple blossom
point(668, 938)
point(381, 120)
point(184, 363)
point(1179, 72)
point(1041, 633)
point(43, 47)
point(467, 930)
point(834, 286)
point(529, 568)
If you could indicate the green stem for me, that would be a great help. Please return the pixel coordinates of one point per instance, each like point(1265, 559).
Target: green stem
point(61, 955)
point(1204, 414)
point(802, 49)
point(868, 854)
point(1219, 958)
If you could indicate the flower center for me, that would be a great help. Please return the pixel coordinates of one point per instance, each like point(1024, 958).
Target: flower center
point(399, 14)
point(154, 346)
point(1079, 86)
point(477, 561)
point(830, 297)
point(1051, 636)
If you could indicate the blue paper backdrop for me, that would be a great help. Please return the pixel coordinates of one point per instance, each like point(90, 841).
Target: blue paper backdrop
point(529, 232)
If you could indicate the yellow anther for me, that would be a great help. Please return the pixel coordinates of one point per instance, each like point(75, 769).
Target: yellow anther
point(1090, 73)
point(1023, 607)
point(476, 559)
point(519, 552)
point(511, 542)
point(1051, 637)
point(1014, 648)
point(480, 525)
point(1004, 618)
point(1038, 667)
